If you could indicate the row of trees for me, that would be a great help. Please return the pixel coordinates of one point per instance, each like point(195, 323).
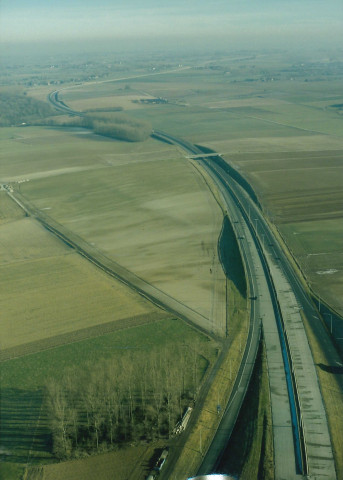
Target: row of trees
point(118, 126)
point(139, 396)
point(109, 124)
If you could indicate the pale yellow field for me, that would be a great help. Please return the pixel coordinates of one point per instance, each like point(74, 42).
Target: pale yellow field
point(276, 144)
point(154, 217)
point(144, 205)
point(46, 289)
point(124, 101)
point(245, 102)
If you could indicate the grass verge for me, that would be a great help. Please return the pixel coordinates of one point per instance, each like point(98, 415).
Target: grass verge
point(332, 395)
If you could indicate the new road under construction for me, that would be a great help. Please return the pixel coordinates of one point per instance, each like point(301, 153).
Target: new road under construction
point(302, 444)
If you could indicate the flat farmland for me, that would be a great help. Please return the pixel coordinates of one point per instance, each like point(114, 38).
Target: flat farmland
point(109, 96)
point(212, 106)
point(129, 464)
point(47, 289)
point(9, 210)
point(150, 211)
point(33, 152)
point(318, 247)
point(222, 105)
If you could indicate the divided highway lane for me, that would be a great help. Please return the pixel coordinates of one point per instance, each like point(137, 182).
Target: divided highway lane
point(264, 310)
point(317, 455)
point(264, 307)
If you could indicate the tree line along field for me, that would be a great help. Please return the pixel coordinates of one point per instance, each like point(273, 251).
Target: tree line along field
point(138, 397)
point(23, 393)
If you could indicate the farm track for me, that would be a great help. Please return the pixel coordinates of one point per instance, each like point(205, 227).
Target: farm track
point(81, 334)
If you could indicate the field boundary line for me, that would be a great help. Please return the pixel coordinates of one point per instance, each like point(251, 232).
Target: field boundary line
point(81, 335)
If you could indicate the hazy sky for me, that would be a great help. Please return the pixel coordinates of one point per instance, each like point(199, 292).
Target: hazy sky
point(268, 20)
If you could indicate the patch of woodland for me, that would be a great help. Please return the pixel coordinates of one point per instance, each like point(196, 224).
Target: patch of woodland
point(18, 109)
point(138, 397)
point(110, 124)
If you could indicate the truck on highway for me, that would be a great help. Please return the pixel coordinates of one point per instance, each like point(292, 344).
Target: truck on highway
point(182, 424)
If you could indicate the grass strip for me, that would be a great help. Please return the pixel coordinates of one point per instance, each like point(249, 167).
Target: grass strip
point(331, 393)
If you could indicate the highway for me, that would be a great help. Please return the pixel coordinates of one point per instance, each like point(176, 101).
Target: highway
point(288, 459)
point(311, 438)
point(279, 297)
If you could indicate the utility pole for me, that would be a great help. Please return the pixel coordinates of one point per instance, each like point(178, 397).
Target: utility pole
point(330, 321)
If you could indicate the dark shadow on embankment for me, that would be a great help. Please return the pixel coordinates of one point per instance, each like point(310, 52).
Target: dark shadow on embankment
point(230, 257)
point(252, 429)
point(331, 369)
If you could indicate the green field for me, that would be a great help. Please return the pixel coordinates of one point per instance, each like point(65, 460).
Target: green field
point(23, 379)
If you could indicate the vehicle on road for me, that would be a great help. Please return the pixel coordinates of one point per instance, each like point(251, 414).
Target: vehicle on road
point(161, 461)
point(182, 424)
